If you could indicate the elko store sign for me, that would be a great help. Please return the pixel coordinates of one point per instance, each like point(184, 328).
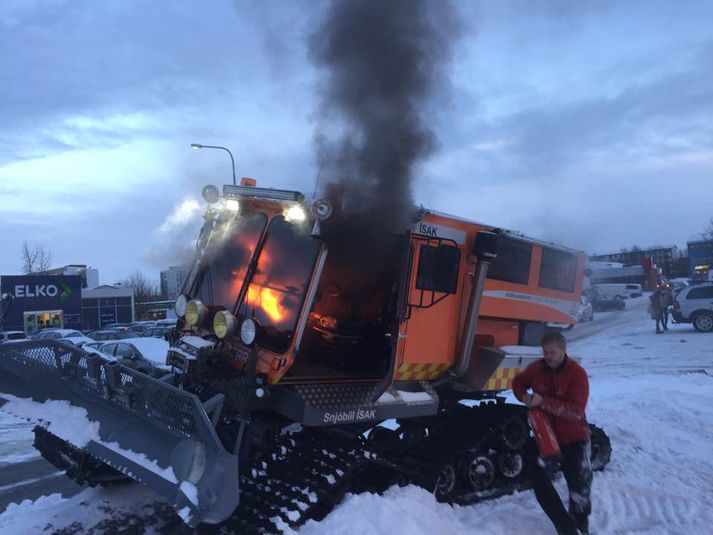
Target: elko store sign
point(42, 301)
point(42, 290)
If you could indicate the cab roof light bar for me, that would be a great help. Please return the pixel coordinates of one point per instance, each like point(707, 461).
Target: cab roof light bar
point(263, 193)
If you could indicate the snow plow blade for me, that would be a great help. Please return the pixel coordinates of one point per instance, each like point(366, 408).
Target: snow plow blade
point(142, 426)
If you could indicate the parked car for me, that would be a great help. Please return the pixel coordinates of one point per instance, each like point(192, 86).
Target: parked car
point(679, 283)
point(155, 332)
point(608, 292)
point(12, 335)
point(117, 326)
point(586, 310)
point(93, 347)
point(140, 326)
point(68, 335)
point(109, 334)
point(694, 304)
point(602, 302)
point(142, 354)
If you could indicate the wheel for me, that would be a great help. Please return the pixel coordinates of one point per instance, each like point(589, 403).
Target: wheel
point(445, 483)
point(620, 303)
point(481, 472)
point(510, 464)
point(703, 322)
point(601, 448)
point(514, 432)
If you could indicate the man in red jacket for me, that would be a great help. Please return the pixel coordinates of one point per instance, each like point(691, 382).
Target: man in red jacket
point(560, 388)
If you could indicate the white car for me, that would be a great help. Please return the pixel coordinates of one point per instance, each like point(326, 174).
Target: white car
point(612, 291)
point(6, 336)
point(138, 353)
point(694, 304)
point(68, 335)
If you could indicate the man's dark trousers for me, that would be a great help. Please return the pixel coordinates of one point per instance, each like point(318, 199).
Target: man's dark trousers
point(577, 471)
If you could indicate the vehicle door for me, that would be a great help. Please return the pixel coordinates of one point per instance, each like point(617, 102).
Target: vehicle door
point(431, 312)
point(125, 351)
point(108, 350)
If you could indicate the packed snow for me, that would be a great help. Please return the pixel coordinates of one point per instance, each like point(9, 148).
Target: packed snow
point(652, 393)
point(72, 424)
point(64, 420)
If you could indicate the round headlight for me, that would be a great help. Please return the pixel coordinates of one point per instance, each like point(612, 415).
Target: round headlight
point(180, 307)
point(210, 193)
point(196, 312)
point(248, 330)
point(224, 323)
point(321, 209)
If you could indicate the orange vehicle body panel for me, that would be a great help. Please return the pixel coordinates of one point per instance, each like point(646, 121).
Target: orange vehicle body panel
point(429, 339)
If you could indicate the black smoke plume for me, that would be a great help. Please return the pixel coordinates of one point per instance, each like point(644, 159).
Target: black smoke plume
point(384, 66)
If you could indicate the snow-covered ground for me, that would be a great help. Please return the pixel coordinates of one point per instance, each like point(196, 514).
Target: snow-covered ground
point(653, 394)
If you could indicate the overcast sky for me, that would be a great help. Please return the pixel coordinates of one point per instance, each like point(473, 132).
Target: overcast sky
point(586, 123)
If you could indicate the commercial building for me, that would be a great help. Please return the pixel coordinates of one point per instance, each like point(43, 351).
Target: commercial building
point(39, 302)
point(172, 280)
point(106, 304)
point(89, 275)
point(36, 302)
point(700, 259)
point(620, 274)
point(663, 257)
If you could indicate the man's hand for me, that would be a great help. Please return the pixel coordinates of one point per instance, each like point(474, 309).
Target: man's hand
point(535, 400)
point(532, 400)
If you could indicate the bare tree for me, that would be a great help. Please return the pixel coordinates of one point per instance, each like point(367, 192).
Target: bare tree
point(144, 288)
point(35, 258)
point(708, 231)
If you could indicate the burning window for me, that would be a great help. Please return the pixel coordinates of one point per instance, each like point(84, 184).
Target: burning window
point(230, 250)
point(278, 286)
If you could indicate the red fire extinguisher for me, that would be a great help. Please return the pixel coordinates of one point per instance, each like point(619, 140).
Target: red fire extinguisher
point(541, 425)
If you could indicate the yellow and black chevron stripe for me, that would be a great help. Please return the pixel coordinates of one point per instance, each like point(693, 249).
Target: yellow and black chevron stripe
point(421, 372)
point(501, 379)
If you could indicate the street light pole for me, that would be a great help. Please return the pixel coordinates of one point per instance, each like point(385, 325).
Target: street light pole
point(232, 160)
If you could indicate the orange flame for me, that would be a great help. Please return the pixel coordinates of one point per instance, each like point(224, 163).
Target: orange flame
point(269, 301)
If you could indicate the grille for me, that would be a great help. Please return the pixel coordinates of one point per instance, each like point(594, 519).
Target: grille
point(141, 394)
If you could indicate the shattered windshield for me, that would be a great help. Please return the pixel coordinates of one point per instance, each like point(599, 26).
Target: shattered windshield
point(229, 250)
point(277, 288)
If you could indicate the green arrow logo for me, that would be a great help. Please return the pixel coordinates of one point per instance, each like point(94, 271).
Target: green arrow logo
point(66, 292)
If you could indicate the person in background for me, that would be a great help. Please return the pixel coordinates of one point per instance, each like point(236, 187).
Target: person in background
point(656, 309)
point(560, 387)
point(666, 301)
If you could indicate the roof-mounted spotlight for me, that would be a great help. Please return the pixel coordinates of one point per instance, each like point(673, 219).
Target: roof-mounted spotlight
point(295, 214)
point(321, 209)
point(210, 193)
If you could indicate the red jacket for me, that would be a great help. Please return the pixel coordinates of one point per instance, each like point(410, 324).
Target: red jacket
point(564, 392)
